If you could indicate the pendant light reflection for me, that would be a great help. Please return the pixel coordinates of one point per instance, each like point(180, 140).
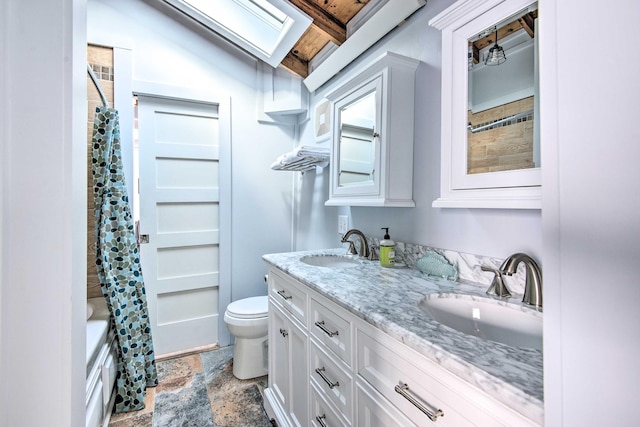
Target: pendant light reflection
point(496, 54)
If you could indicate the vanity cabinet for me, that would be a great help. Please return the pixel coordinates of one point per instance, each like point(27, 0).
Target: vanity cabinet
point(372, 155)
point(338, 370)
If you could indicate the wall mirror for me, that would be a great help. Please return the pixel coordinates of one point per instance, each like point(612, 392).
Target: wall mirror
point(490, 142)
point(356, 149)
point(356, 140)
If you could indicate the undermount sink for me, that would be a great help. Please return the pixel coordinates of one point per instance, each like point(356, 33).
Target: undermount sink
point(330, 261)
point(508, 323)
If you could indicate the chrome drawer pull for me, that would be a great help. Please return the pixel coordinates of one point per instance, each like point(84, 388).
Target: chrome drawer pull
point(326, 331)
point(320, 419)
point(283, 332)
point(403, 390)
point(283, 295)
point(320, 371)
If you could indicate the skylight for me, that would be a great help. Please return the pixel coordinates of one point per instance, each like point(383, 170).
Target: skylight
point(266, 29)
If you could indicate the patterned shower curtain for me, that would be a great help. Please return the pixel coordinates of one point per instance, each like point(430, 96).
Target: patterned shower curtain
point(118, 265)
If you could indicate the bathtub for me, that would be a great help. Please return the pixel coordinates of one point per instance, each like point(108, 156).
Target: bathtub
point(101, 364)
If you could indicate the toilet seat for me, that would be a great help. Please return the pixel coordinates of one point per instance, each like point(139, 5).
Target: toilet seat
point(249, 308)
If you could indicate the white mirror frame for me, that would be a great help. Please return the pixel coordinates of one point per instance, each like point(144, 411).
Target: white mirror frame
point(516, 189)
point(371, 186)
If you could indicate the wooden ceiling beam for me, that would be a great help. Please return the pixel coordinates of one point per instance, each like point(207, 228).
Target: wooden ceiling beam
point(527, 22)
point(336, 31)
point(295, 65)
point(502, 33)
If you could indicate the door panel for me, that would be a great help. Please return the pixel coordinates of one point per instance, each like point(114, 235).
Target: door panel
point(179, 211)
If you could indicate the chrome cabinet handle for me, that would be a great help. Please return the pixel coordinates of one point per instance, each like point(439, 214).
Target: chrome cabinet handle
point(283, 332)
point(320, 371)
point(283, 295)
point(320, 419)
point(325, 330)
point(403, 390)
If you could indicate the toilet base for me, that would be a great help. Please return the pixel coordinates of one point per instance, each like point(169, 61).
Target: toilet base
point(250, 359)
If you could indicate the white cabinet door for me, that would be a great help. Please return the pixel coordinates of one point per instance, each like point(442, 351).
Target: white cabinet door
point(288, 368)
point(278, 357)
point(298, 375)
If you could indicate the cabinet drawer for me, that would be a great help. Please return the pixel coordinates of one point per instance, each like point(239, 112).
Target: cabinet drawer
point(385, 369)
point(322, 414)
point(289, 295)
point(335, 384)
point(376, 411)
point(332, 330)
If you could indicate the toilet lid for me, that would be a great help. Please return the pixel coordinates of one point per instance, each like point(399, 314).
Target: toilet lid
point(249, 308)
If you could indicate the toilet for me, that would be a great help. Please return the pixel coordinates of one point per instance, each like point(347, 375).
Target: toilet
point(247, 319)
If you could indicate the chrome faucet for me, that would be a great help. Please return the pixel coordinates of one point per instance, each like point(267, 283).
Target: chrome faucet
point(364, 246)
point(533, 283)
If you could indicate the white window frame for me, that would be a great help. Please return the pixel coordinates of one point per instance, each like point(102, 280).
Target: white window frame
point(286, 22)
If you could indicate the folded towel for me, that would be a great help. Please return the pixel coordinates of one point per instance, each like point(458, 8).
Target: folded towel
point(302, 158)
point(306, 150)
point(303, 164)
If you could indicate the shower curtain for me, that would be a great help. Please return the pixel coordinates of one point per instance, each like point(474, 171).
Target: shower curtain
point(118, 265)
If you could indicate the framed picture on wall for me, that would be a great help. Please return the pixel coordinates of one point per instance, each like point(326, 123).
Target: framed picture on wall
point(322, 120)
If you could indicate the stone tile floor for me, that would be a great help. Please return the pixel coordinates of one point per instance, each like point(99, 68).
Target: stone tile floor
point(199, 390)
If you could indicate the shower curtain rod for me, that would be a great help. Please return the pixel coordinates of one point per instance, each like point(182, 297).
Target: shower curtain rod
point(105, 103)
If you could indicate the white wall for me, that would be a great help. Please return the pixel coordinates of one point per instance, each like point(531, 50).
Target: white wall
point(496, 233)
point(168, 49)
point(43, 286)
point(591, 147)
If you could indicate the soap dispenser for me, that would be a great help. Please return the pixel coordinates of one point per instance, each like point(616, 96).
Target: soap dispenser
point(387, 250)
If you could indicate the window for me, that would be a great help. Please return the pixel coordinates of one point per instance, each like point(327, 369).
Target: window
point(268, 30)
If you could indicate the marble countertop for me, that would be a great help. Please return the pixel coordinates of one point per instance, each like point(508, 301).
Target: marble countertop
point(388, 299)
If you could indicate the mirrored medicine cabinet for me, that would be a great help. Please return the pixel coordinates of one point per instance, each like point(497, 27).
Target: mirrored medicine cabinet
point(490, 140)
point(372, 148)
